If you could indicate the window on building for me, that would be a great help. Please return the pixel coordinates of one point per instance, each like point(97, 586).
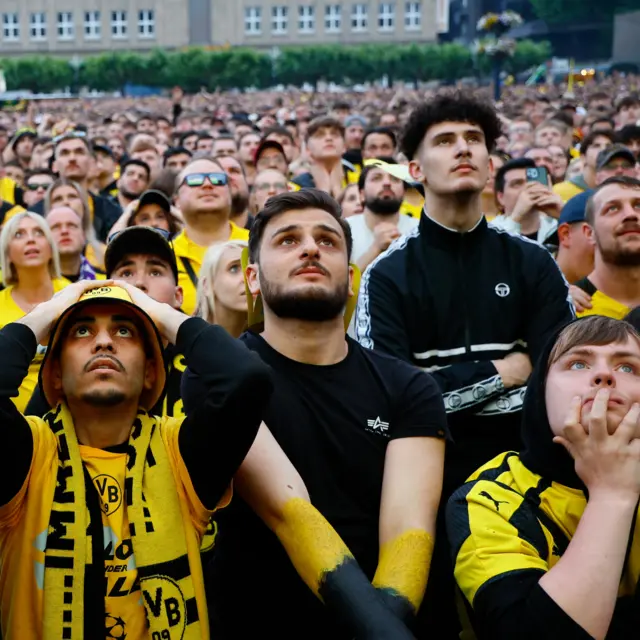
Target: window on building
point(119, 24)
point(332, 18)
point(146, 23)
point(92, 26)
point(359, 17)
point(38, 26)
point(412, 16)
point(279, 20)
point(306, 19)
point(253, 21)
point(10, 27)
point(65, 25)
point(386, 16)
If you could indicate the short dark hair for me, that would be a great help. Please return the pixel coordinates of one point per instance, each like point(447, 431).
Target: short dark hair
point(598, 95)
point(564, 117)
point(624, 181)
point(603, 118)
point(450, 106)
point(501, 173)
point(324, 121)
point(627, 101)
point(628, 133)
point(295, 201)
point(383, 131)
point(281, 131)
point(368, 168)
point(188, 134)
point(205, 136)
point(14, 163)
point(137, 163)
point(174, 151)
point(590, 138)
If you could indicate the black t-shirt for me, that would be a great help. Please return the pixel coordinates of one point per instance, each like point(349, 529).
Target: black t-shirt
point(334, 423)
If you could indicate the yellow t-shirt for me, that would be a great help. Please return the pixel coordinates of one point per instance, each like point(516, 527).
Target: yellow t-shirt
point(187, 250)
point(566, 190)
point(10, 312)
point(601, 304)
point(7, 190)
point(24, 524)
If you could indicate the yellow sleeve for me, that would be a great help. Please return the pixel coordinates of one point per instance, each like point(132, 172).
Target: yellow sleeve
point(485, 543)
point(200, 515)
point(566, 190)
point(44, 452)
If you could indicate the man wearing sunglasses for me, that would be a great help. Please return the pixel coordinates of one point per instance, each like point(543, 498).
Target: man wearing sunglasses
point(204, 197)
point(36, 183)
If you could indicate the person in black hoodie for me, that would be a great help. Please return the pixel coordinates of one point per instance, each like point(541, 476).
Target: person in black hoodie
point(546, 542)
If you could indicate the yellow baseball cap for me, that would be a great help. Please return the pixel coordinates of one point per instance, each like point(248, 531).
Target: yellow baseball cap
point(111, 295)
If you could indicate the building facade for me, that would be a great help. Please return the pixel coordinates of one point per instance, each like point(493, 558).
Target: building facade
point(83, 27)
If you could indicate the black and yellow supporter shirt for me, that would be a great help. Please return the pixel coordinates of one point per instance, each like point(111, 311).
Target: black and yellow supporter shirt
point(8, 210)
point(507, 527)
point(10, 192)
point(512, 521)
point(203, 458)
point(601, 304)
point(10, 312)
point(190, 257)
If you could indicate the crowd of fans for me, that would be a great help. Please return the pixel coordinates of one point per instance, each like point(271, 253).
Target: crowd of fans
point(453, 241)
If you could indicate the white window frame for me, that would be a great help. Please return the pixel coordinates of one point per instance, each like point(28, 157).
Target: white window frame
point(65, 28)
point(306, 19)
point(10, 27)
point(146, 23)
point(412, 16)
point(386, 16)
point(333, 18)
point(119, 25)
point(92, 26)
point(359, 17)
point(253, 21)
point(38, 28)
point(279, 20)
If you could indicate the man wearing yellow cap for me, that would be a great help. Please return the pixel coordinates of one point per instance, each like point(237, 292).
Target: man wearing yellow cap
point(102, 505)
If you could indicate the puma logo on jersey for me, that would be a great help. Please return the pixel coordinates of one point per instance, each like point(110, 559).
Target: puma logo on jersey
point(497, 503)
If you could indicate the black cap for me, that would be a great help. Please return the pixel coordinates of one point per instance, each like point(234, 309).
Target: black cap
point(23, 133)
point(268, 144)
point(153, 196)
point(101, 148)
point(614, 151)
point(139, 240)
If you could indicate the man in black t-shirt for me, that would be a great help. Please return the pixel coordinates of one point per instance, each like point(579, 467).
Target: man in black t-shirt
point(364, 430)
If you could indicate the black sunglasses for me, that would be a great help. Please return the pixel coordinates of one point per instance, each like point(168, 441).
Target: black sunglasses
point(34, 186)
point(197, 179)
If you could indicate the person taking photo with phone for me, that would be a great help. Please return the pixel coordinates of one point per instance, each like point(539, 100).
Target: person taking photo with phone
point(529, 207)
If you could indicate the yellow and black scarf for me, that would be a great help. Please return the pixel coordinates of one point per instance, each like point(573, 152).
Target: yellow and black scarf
point(165, 543)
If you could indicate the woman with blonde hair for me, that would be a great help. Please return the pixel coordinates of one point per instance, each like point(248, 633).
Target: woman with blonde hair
point(65, 192)
point(31, 275)
point(221, 297)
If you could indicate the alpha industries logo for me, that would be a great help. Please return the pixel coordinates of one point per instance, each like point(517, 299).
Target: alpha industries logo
point(378, 426)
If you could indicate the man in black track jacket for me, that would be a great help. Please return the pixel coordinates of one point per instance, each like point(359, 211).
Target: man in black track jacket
point(470, 304)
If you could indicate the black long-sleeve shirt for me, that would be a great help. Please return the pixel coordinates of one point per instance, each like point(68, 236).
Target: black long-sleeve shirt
point(214, 437)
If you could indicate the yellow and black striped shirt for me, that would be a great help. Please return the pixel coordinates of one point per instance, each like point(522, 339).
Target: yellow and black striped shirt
point(507, 527)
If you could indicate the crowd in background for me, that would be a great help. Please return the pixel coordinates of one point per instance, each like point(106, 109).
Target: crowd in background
point(464, 303)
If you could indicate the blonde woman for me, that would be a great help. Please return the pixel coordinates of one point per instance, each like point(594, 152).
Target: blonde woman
point(221, 295)
point(31, 275)
point(69, 193)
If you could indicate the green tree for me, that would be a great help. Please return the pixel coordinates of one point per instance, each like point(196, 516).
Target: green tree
point(37, 74)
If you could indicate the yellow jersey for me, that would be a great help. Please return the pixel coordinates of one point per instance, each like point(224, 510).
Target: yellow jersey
point(8, 190)
point(24, 524)
point(10, 312)
point(566, 190)
point(189, 257)
point(602, 304)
